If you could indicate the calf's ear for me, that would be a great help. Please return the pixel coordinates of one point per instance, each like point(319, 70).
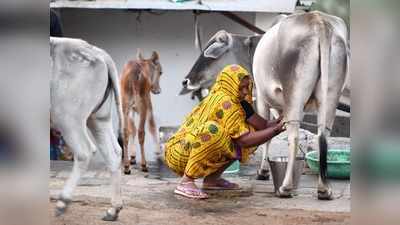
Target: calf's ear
point(154, 57)
point(139, 55)
point(223, 41)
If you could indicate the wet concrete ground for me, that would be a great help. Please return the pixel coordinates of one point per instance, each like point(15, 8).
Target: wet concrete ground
point(149, 199)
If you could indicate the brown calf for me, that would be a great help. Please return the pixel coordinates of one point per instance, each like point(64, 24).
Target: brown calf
point(139, 78)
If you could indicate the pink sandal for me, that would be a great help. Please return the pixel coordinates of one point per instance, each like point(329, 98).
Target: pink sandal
point(221, 184)
point(189, 192)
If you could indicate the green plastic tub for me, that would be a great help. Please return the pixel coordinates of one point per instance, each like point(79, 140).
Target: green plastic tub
point(338, 163)
point(233, 168)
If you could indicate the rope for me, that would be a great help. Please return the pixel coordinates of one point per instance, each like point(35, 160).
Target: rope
point(307, 123)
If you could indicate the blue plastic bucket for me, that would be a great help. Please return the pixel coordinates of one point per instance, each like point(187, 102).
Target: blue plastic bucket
point(233, 168)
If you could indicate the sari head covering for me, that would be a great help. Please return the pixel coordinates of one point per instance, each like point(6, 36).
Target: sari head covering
point(228, 82)
point(205, 141)
point(223, 103)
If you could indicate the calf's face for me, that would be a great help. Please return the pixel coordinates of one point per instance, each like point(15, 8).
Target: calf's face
point(155, 72)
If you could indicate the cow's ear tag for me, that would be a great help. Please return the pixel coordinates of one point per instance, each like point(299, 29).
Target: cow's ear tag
point(215, 50)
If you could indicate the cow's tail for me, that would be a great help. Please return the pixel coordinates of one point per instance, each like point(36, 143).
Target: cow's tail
point(113, 77)
point(325, 52)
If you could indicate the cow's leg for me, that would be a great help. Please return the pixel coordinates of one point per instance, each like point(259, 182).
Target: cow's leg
point(132, 131)
point(293, 138)
point(337, 75)
point(153, 131)
point(263, 110)
point(109, 148)
point(299, 86)
point(126, 111)
point(141, 135)
point(324, 188)
point(76, 136)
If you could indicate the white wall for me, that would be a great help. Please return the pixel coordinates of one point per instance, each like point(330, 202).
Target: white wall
point(171, 34)
point(264, 20)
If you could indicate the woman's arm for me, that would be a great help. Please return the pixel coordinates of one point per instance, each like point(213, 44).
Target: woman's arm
point(275, 121)
point(259, 137)
point(258, 122)
point(252, 117)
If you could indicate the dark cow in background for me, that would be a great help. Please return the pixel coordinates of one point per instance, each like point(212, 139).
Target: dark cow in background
point(84, 88)
point(222, 50)
point(139, 79)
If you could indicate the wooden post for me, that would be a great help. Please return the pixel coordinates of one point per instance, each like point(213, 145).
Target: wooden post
point(243, 22)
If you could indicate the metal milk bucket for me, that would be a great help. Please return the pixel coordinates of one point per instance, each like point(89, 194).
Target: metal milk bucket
point(278, 169)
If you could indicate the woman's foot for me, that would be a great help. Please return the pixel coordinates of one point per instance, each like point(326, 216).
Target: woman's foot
point(219, 184)
point(190, 190)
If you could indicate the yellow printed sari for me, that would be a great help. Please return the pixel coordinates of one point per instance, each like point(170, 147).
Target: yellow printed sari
point(204, 143)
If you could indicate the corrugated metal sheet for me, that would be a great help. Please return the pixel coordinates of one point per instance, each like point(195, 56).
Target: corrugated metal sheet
point(286, 6)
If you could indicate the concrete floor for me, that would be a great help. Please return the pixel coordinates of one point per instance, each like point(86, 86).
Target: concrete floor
point(154, 190)
point(142, 187)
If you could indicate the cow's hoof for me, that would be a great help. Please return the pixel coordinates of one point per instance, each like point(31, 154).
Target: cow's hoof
point(282, 193)
point(325, 195)
point(127, 170)
point(144, 168)
point(61, 206)
point(133, 161)
point(262, 174)
point(112, 214)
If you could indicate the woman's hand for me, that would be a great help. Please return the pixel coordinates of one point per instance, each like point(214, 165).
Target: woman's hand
point(279, 118)
point(275, 121)
point(280, 126)
point(256, 138)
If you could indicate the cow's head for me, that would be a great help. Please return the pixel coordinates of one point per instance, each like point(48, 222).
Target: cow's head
point(222, 49)
point(155, 71)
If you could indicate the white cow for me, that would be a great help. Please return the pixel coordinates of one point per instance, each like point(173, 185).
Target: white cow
point(84, 87)
point(301, 64)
